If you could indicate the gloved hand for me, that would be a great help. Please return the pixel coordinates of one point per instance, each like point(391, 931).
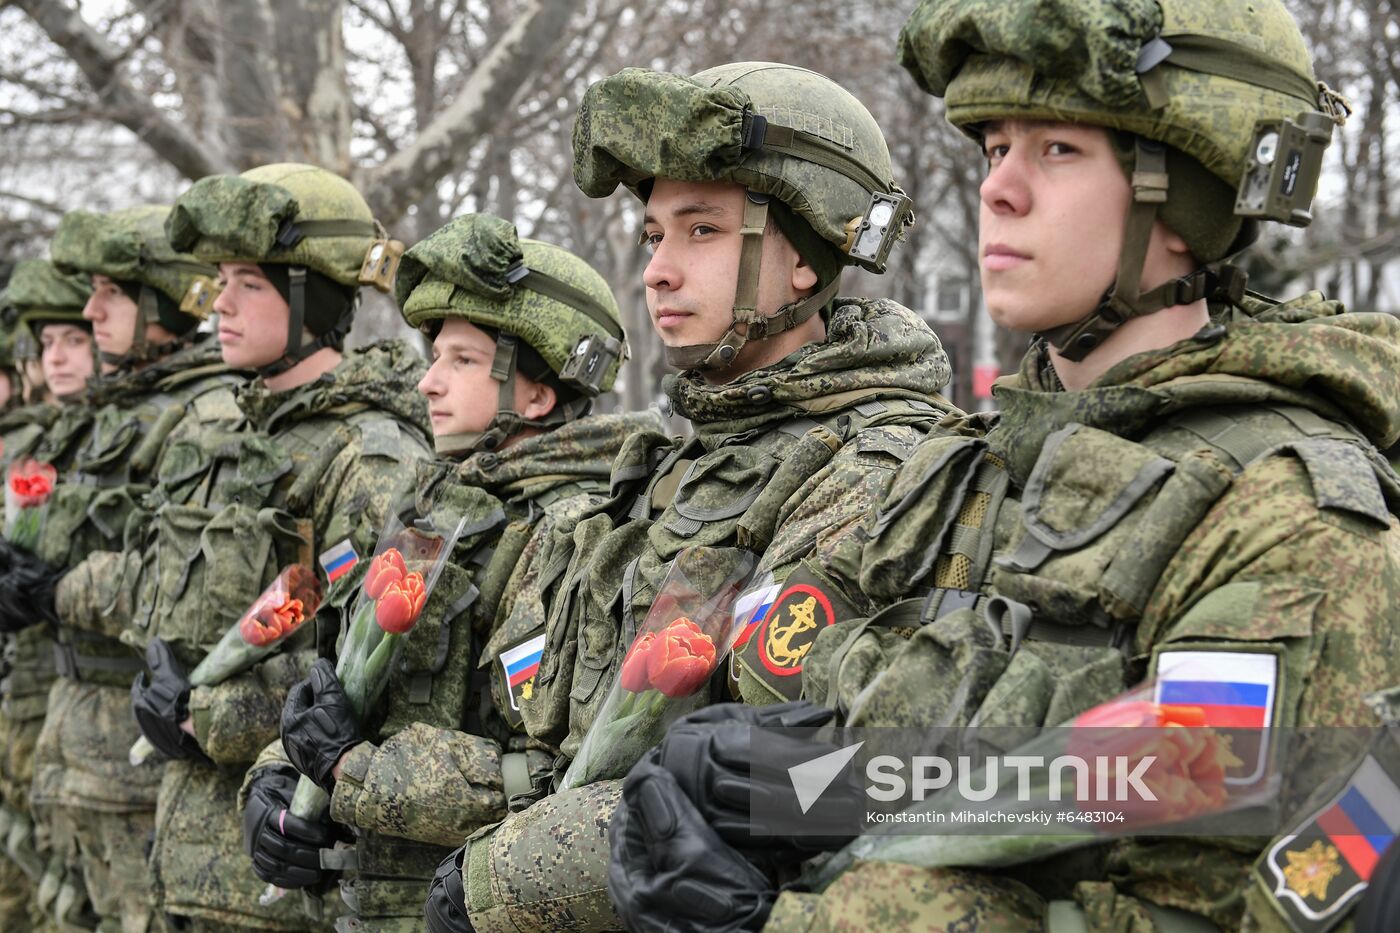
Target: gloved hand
point(285, 849)
point(27, 587)
point(446, 908)
point(318, 725)
point(709, 755)
point(161, 701)
point(670, 871)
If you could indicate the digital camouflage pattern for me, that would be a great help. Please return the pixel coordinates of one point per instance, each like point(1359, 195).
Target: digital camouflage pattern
point(348, 437)
point(545, 868)
point(787, 461)
point(129, 246)
point(1286, 544)
point(1077, 61)
point(461, 271)
point(109, 451)
point(430, 774)
point(37, 291)
point(640, 124)
point(237, 218)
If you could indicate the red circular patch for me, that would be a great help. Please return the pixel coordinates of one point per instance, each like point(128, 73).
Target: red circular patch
point(822, 616)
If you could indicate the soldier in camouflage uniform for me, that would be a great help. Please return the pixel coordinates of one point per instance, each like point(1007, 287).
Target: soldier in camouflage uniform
point(323, 437)
point(161, 382)
point(761, 182)
point(48, 309)
point(525, 336)
point(1182, 483)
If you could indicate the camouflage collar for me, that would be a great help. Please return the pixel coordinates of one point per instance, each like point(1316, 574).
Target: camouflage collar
point(578, 451)
point(123, 387)
point(874, 349)
point(382, 376)
point(1306, 352)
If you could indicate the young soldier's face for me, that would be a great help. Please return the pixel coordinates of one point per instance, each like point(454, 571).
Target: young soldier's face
point(253, 317)
point(1054, 207)
point(692, 230)
point(65, 356)
point(462, 396)
point(113, 316)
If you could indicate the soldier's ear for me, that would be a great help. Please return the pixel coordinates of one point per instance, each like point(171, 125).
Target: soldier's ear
point(537, 399)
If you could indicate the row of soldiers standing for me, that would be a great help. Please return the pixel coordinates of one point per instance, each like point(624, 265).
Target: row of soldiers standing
point(1178, 466)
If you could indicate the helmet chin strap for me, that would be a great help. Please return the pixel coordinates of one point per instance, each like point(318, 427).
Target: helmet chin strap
point(1123, 301)
point(296, 349)
point(142, 350)
point(748, 322)
point(507, 422)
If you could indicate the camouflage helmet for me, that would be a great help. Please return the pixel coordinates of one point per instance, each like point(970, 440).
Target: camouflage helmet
point(39, 294)
point(295, 215)
point(129, 246)
point(1227, 122)
point(478, 268)
point(788, 135)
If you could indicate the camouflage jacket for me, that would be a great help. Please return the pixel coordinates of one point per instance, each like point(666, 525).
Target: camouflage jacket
point(113, 448)
point(786, 461)
point(433, 770)
point(314, 466)
point(1222, 495)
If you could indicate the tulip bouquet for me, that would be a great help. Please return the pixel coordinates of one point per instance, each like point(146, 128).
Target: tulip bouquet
point(407, 563)
point(1170, 750)
point(28, 485)
point(690, 627)
point(289, 600)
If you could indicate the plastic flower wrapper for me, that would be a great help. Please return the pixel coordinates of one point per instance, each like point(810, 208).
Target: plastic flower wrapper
point(28, 485)
point(281, 609)
point(405, 567)
point(1171, 749)
point(666, 670)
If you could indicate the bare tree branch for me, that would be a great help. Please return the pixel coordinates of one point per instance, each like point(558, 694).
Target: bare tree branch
point(100, 63)
point(490, 91)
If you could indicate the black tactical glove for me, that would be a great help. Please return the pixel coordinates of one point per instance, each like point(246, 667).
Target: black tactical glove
point(286, 850)
point(26, 589)
point(318, 725)
point(709, 755)
point(670, 871)
point(446, 908)
point(161, 701)
point(1379, 910)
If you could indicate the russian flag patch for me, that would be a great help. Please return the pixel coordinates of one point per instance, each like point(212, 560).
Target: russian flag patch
point(520, 663)
point(339, 560)
point(1235, 689)
point(751, 609)
point(1321, 867)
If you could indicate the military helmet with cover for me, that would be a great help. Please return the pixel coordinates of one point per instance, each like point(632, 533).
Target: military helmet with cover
point(170, 287)
point(300, 221)
point(1225, 124)
point(39, 294)
point(801, 145)
point(478, 268)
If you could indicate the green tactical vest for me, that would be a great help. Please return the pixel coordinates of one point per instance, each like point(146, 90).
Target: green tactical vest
point(666, 496)
point(114, 456)
point(1029, 603)
point(443, 679)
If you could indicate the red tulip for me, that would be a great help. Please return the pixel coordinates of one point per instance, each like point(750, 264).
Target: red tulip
point(634, 666)
point(271, 621)
point(681, 659)
point(31, 482)
point(398, 606)
point(385, 569)
point(1187, 775)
